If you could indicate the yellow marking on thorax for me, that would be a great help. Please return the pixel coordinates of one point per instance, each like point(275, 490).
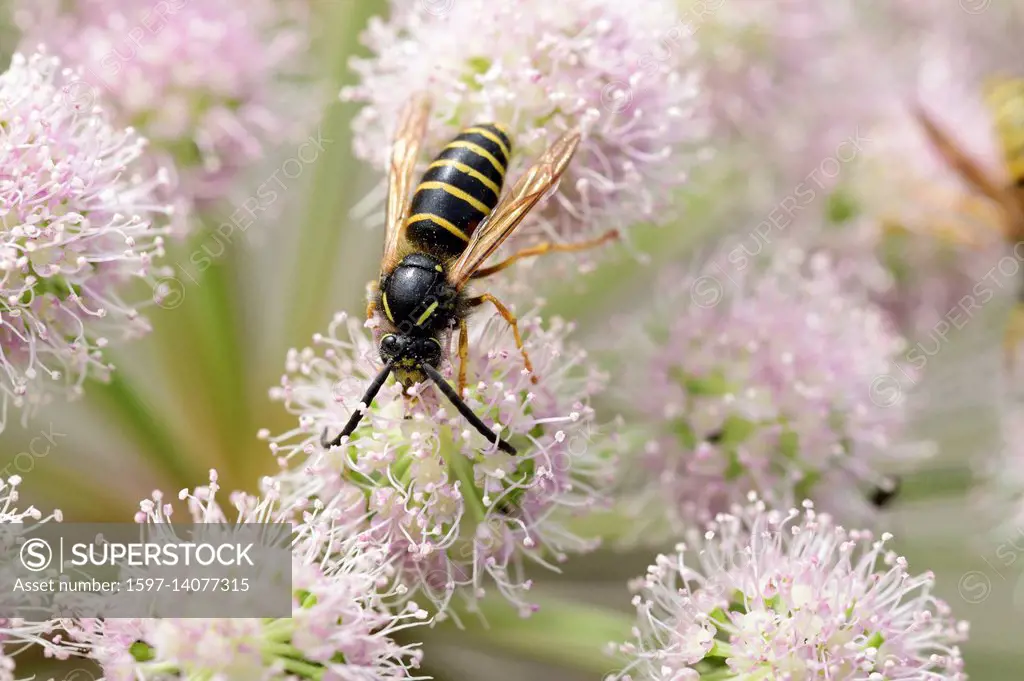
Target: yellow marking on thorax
point(456, 192)
point(387, 310)
point(426, 313)
point(472, 172)
point(492, 137)
point(479, 151)
point(439, 221)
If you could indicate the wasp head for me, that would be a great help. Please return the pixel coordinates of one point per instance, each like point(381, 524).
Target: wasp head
point(408, 355)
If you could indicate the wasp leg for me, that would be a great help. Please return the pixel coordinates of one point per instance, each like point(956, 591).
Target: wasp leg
point(371, 299)
point(510, 318)
point(463, 353)
point(1014, 335)
point(546, 247)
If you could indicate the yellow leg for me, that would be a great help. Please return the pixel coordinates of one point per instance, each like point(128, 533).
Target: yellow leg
point(371, 297)
point(546, 247)
point(1014, 335)
point(510, 318)
point(463, 353)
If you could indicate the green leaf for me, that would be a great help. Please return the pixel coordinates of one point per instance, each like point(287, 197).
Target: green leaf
point(125, 404)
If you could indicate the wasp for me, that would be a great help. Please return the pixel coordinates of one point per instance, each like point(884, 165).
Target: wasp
point(1004, 98)
point(437, 241)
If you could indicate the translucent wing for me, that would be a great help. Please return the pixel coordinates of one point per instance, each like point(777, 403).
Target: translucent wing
point(510, 211)
point(958, 160)
point(969, 170)
point(405, 148)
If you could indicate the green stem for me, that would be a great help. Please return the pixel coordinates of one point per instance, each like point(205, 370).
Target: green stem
point(302, 668)
point(216, 322)
point(125, 403)
point(279, 629)
point(566, 633)
point(81, 498)
point(335, 179)
point(463, 469)
point(610, 526)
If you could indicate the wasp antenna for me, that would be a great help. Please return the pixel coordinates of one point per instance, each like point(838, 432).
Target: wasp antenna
point(357, 415)
point(464, 409)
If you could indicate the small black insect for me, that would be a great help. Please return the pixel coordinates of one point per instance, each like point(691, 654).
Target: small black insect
point(882, 495)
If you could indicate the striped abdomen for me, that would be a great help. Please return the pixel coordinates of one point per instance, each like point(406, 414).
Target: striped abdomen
point(1006, 100)
point(459, 189)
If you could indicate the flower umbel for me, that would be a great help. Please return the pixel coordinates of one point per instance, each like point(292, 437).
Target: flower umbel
point(16, 633)
point(541, 68)
point(451, 507)
point(209, 83)
point(339, 627)
point(770, 594)
point(767, 376)
point(79, 221)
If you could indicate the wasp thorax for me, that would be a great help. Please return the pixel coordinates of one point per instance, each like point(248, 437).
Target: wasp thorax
point(416, 297)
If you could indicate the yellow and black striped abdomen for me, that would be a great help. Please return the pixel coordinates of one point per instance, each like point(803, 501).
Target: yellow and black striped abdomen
point(1005, 98)
point(459, 189)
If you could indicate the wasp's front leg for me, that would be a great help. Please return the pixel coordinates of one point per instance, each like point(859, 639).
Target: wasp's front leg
point(372, 288)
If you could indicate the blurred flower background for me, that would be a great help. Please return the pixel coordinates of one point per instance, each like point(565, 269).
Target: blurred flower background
point(813, 296)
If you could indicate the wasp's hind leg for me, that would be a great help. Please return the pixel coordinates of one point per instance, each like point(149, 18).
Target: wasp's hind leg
point(546, 247)
point(510, 318)
point(463, 353)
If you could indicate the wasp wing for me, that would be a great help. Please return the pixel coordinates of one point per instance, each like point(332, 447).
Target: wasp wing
point(510, 211)
point(971, 172)
point(1005, 99)
point(405, 148)
point(965, 166)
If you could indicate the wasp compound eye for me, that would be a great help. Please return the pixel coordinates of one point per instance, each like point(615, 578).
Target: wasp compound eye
point(389, 344)
point(431, 350)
